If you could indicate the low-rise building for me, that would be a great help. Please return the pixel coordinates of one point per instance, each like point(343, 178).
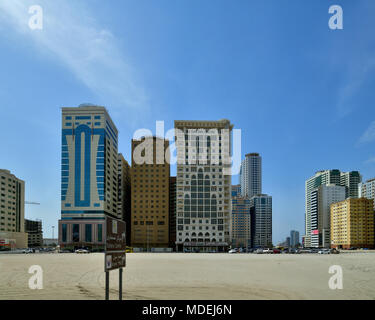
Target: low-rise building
point(352, 223)
point(34, 233)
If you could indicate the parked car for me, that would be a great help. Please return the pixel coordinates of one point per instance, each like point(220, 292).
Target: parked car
point(324, 251)
point(268, 250)
point(233, 250)
point(82, 251)
point(258, 251)
point(276, 250)
point(334, 251)
point(28, 250)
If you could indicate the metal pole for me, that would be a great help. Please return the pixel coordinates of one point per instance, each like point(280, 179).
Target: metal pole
point(120, 285)
point(107, 285)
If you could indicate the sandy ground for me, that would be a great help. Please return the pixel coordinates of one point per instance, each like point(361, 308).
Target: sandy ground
point(173, 276)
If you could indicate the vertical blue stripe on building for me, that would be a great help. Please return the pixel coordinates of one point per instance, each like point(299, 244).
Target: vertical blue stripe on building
point(87, 166)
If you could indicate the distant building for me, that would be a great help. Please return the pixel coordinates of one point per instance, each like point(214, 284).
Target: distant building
point(12, 211)
point(349, 180)
point(34, 233)
point(124, 195)
point(261, 220)
point(251, 175)
point(367, 190)
point(294, 238)
point(89, 173)
point(50, 242)
point(172, 212)
point(236, 190)
point(352, 223)
point(321, 200)
point(150, 193)
point(287, 242)
point(241, 222)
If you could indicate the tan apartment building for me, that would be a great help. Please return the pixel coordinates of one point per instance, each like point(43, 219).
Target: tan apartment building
point(12, 211)
point(352, 223)
point(150, 193)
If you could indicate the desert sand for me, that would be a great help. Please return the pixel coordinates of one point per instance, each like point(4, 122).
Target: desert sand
point(171, 276)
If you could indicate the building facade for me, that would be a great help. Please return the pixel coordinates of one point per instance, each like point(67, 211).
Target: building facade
point(294, 239)
point(124, 195)
point(321, 200)
point(349, 180)
point(236, 190)
point(367, 190)
point(12, 211)
point(241, 222)
point(172, 212)
point(89, 174)
point(261, 220)
point(34, 233)
point(352, 223)
point(251, 175)
point(203, 185)
point(150, 193)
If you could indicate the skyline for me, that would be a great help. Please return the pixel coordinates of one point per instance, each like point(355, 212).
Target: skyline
point(291, 90)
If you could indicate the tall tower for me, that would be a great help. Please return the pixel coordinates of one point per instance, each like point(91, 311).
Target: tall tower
point(203, 185)
point(261, 220)
point(89, 173)
point(251, 175)
point(150, 173)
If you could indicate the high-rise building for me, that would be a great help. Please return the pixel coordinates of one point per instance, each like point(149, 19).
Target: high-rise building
point(352, 223)
point(34, 233)
point(89, 174)
point(294, 238)
point(150, 193)
point(288, 242)
point(124, 195)
point(241, 222)
point(251, 175)
point(203, 185)
point(349, 180)
point(367, 190)
point(261, 220)
point(236, 190)
point(321, 200)
point(12, 210)
point(172, 212)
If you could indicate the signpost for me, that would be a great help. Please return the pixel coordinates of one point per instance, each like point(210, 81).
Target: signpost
point(115, 256)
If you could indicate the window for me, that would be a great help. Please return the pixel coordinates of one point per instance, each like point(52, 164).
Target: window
point(75, 232)
point(100, 232)
point(64, 232)
point(88, 232)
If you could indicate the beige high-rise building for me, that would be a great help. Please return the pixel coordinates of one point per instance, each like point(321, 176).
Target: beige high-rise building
point(150, 193)
point(12, 211)
point(352, 223)
point(203, 185)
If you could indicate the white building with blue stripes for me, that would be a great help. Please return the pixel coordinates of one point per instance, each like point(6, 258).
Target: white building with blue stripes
point(89, 174)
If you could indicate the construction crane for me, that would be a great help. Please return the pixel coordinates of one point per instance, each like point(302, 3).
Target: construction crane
point(30, 202)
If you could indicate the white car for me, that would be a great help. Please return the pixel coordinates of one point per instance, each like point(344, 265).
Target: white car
point(324, 251)
point(267, 251)
point(233, 251)
point(82, 251)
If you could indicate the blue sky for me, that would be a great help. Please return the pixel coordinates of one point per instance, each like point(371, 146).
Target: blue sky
point(302, 94)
